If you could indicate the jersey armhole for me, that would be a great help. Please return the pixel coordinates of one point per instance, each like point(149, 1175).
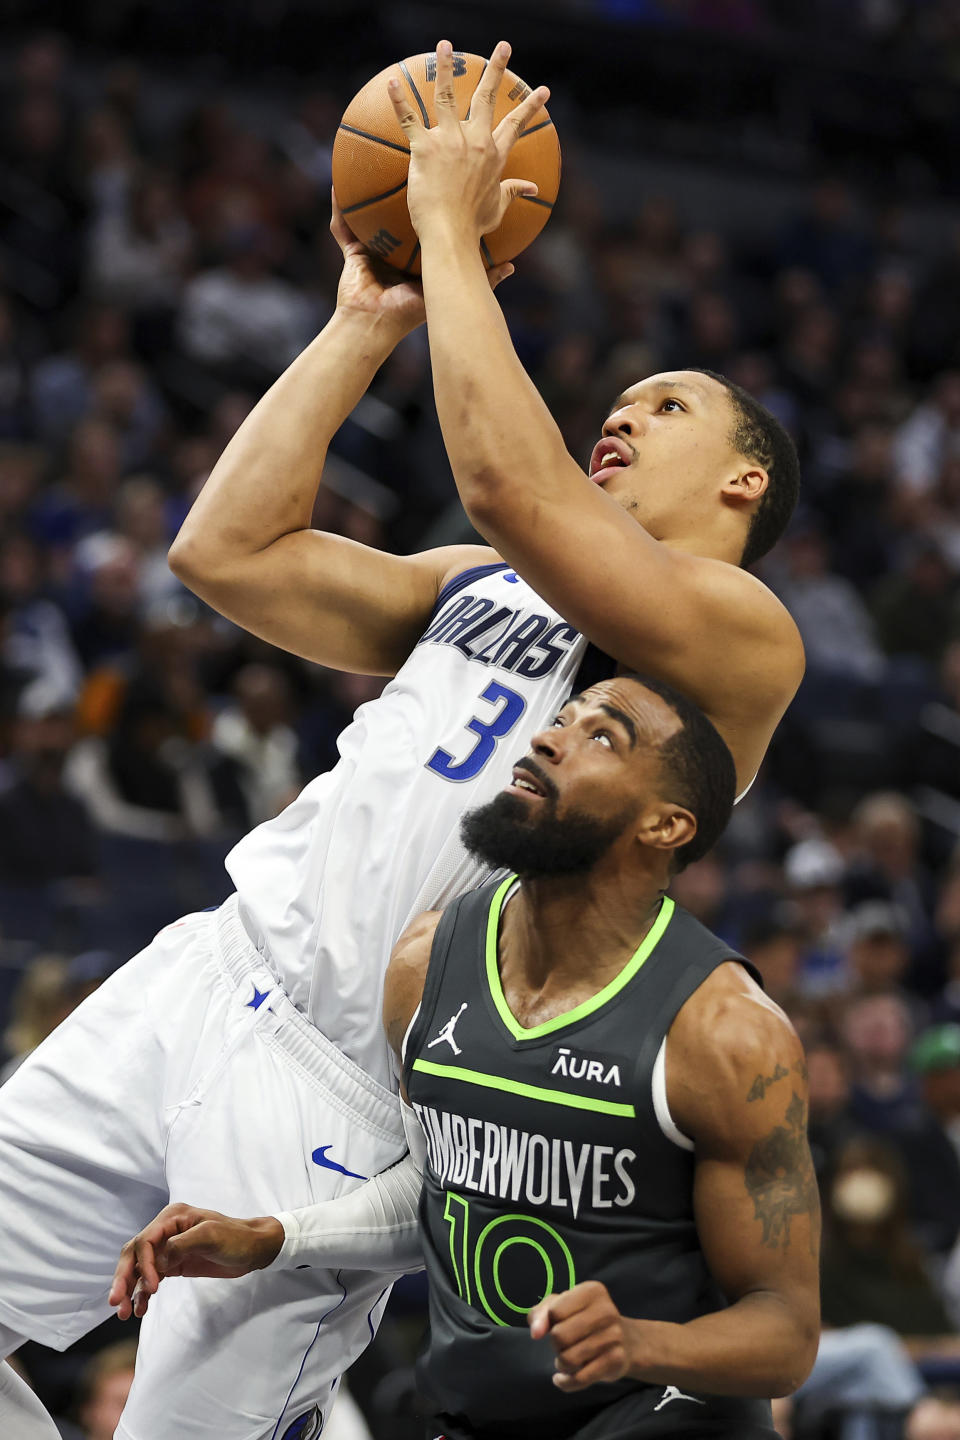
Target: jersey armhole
point(406, 1036)
point(660, 1104)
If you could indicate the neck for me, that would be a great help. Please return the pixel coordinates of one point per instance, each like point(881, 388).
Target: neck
point(710, 541)
point(567, 934)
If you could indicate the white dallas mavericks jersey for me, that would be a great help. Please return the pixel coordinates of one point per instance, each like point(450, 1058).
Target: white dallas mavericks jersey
point(329, 885)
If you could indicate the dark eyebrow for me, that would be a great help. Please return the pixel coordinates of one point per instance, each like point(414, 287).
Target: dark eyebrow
point(612, 710)
point(661, 385)
point(624, 719)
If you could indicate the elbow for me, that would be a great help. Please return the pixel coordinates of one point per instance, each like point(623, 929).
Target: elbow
point(191, 561)
point(182, 558)
point(797, 1365)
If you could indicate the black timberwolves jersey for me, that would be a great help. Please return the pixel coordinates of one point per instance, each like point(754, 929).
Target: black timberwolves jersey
point(547, 1166)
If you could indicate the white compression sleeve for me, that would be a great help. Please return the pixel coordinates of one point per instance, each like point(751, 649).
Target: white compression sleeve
point(372, 1228)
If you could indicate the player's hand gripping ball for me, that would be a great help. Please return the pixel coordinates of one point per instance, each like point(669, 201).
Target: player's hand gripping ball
point(371, 156)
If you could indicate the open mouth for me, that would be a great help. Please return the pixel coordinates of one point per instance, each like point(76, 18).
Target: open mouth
point(609, 454)
point(528, 783)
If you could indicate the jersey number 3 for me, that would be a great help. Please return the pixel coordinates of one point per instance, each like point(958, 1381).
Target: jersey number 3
point(488, 732)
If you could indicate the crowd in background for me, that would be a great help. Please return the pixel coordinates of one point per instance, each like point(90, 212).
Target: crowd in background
point(162, 258)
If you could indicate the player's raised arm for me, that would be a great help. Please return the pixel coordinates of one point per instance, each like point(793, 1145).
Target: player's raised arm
point(247, 546)
point(578, 543)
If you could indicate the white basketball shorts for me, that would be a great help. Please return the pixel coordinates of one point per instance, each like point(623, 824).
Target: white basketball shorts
point(190, 1076)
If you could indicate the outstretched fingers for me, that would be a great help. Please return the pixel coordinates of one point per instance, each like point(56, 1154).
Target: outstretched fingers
point(484, 99)
point(403, 107)
point(444, 95)
point(513, 125)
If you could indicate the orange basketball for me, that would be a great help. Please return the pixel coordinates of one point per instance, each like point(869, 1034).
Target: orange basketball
point(371, 157)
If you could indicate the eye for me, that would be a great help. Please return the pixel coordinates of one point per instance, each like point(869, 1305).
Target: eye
point(672, 400)
point(557, 722)
point(604, 737)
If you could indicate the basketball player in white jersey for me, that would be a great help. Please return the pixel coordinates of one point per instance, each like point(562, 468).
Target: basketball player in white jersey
point(238, 1062)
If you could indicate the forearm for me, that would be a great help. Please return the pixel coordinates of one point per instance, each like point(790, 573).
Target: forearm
point(372, 1228)
point(265, 483)
point(495, 426)
point(760, 1346)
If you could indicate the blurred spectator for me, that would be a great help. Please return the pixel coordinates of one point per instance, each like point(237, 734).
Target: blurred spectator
point(104, 1389)
point(856, 506)
point(139, 250)
point(154, 775)
point(14, 377)
point(865, 1386)
point(62, 386)
point(936, 1059)
point(255, 733)
point(872, 1270)
point(772, 943)
point(877, 952)
point(51, 988)
point(107, 626)
point(81, 500)
point(142, 518)
point(930, 437)
point(830, 239)
point(241, 319)
point(834, 624)
point(831, 1121)
point(885, 1099)
point(887, 863)
point(915, 607)
point(125, 399)
point(46, 833)
point(813, 870)
point(36, 638)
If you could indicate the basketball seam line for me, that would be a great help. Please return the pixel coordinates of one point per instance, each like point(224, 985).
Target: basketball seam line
point(412, 256)
point(384, 195)
point(535, 200)
point(482, 73)
point(486, 253)
point(533, 130)
point(377, 139)
point(416, 95)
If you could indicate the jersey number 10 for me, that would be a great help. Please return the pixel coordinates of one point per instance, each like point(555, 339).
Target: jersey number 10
point(510, 1265)
point(488, 732)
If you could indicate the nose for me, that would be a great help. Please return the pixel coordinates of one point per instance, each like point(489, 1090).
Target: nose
point(627, 422)
point(548, 744)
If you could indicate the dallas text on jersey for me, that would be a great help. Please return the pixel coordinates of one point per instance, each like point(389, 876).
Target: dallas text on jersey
point(525, 642)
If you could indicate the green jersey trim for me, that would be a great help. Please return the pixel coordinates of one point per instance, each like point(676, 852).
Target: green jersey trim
point(530, 1092)
point(520, 1032)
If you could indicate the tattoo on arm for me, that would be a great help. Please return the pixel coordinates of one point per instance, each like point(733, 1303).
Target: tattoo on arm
point(762, 1083)
point(780, 1179)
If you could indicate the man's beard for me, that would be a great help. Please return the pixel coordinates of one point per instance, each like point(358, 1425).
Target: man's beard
point(503, 834)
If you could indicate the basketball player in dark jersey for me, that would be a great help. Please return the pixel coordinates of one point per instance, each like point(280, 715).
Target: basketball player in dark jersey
point(674, 1217)
point(619, 1213)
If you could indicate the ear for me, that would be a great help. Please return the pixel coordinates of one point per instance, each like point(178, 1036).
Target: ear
point(746, 486)
point(666, 827)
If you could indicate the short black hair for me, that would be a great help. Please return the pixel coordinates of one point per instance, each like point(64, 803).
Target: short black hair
point(759, 436)
point(699, 768)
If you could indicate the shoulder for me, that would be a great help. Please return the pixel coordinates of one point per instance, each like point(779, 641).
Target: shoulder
point(732, 1054)
point(453, 560)
point(406, 974)
point(743, 593)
